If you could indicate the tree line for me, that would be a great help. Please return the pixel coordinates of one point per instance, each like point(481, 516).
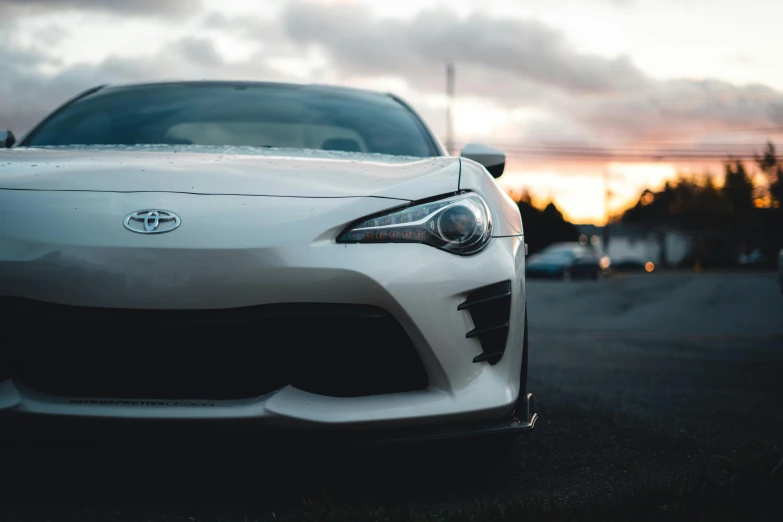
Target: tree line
point(544, 226)
point(724, 221)
point(723, 217)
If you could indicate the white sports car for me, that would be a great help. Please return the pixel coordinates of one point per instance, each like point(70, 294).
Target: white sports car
point(257, 260)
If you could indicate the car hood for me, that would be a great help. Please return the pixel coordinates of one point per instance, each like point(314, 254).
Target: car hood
point(227, 170)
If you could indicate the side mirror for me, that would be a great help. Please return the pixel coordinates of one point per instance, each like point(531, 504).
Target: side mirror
point(492, 159)
point(7, 139)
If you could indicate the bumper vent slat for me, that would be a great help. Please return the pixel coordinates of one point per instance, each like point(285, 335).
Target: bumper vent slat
point(490, 309)
point(487, 357)
point(471, 303)
point(478, 333)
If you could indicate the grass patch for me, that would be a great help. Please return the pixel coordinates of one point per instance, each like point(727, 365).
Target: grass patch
point(744, 486)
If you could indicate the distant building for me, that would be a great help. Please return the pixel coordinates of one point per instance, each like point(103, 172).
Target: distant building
point(633, 243)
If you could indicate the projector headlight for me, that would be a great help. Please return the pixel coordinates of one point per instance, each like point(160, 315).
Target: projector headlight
point(459, 224)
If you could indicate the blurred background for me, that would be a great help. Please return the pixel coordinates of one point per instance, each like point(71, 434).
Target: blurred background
point(641, 136)
point(658, 118)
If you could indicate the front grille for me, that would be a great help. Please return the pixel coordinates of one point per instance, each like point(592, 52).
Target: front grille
point(329, 349)
point(490, 309)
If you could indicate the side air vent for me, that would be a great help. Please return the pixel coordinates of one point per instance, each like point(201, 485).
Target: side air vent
point(490, 309)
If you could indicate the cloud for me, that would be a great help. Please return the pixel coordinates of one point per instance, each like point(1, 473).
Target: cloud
point(518, 69)
point(739, 59)
point(267, 32)
point(681, 109)
point(27, 94)
point(524, 63)
point(10, 8)
point(527, 50)
point(197, 51)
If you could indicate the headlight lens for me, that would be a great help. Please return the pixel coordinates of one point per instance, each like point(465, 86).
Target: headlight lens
point(459, 224)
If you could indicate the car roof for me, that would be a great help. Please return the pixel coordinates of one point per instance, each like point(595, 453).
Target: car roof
point(315, 87)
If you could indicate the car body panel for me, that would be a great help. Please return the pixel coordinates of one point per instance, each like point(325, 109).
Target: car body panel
point(368, 274)
point(73, 250)
point(227, 170)
point(507, 220)
point(259, 227)
point(32, 427)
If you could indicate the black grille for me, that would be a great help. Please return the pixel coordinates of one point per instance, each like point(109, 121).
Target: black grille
point(330, 349)
point(490, 309)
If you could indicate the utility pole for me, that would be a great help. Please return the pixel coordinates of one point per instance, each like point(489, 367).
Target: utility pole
point(449, 104)
point(607, 196)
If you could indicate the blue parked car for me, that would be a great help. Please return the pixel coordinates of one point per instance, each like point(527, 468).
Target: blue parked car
point(567, 261)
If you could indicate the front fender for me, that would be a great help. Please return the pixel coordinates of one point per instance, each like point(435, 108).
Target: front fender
point(507, 220)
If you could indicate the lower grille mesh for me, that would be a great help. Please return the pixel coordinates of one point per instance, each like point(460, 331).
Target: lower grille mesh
point(329, 349)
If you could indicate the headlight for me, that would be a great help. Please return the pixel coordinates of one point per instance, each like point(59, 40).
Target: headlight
point(459, 224)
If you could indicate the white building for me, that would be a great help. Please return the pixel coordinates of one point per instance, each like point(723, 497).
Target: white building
point(640, 244)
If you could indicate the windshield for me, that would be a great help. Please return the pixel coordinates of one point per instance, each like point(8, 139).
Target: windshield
point(258, 115)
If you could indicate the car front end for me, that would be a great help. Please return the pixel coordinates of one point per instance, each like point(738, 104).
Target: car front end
point(249, 308)
point(253, 258)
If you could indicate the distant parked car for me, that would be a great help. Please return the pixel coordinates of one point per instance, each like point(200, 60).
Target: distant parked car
point(755, 258)
point(567, 261)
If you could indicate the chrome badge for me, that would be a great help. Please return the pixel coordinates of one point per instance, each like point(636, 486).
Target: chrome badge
point(151, 221)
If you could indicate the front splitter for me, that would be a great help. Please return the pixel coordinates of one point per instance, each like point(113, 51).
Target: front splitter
point(19, 428)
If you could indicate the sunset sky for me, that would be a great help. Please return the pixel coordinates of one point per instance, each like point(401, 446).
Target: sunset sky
point(571, 89)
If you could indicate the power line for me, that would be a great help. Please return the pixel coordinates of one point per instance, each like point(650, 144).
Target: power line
point(598, 144)
point(603, 144)
point(778, 128)
point(740, 149)
point(608, 156)
point(596, 152)
point(639, 157)
point(556, 151)
point(636, 144)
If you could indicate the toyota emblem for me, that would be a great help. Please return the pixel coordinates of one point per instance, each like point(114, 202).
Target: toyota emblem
point(151, 221)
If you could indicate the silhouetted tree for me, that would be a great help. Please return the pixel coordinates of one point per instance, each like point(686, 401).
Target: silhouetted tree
point(685, 203)
point(722, 222)
point(544, 227)
point(772, 225)
point(772, 167)
point(738, 187)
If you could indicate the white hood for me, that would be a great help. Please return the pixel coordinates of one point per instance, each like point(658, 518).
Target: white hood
point(227, 170)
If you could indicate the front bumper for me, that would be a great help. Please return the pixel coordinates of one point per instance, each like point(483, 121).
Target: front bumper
point(24, 429)
point(282, 258)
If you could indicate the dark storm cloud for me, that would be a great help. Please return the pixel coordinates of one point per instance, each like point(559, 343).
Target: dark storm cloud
point(123, 7)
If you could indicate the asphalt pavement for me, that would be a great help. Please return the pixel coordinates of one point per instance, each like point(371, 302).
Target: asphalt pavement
point(656, 372)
